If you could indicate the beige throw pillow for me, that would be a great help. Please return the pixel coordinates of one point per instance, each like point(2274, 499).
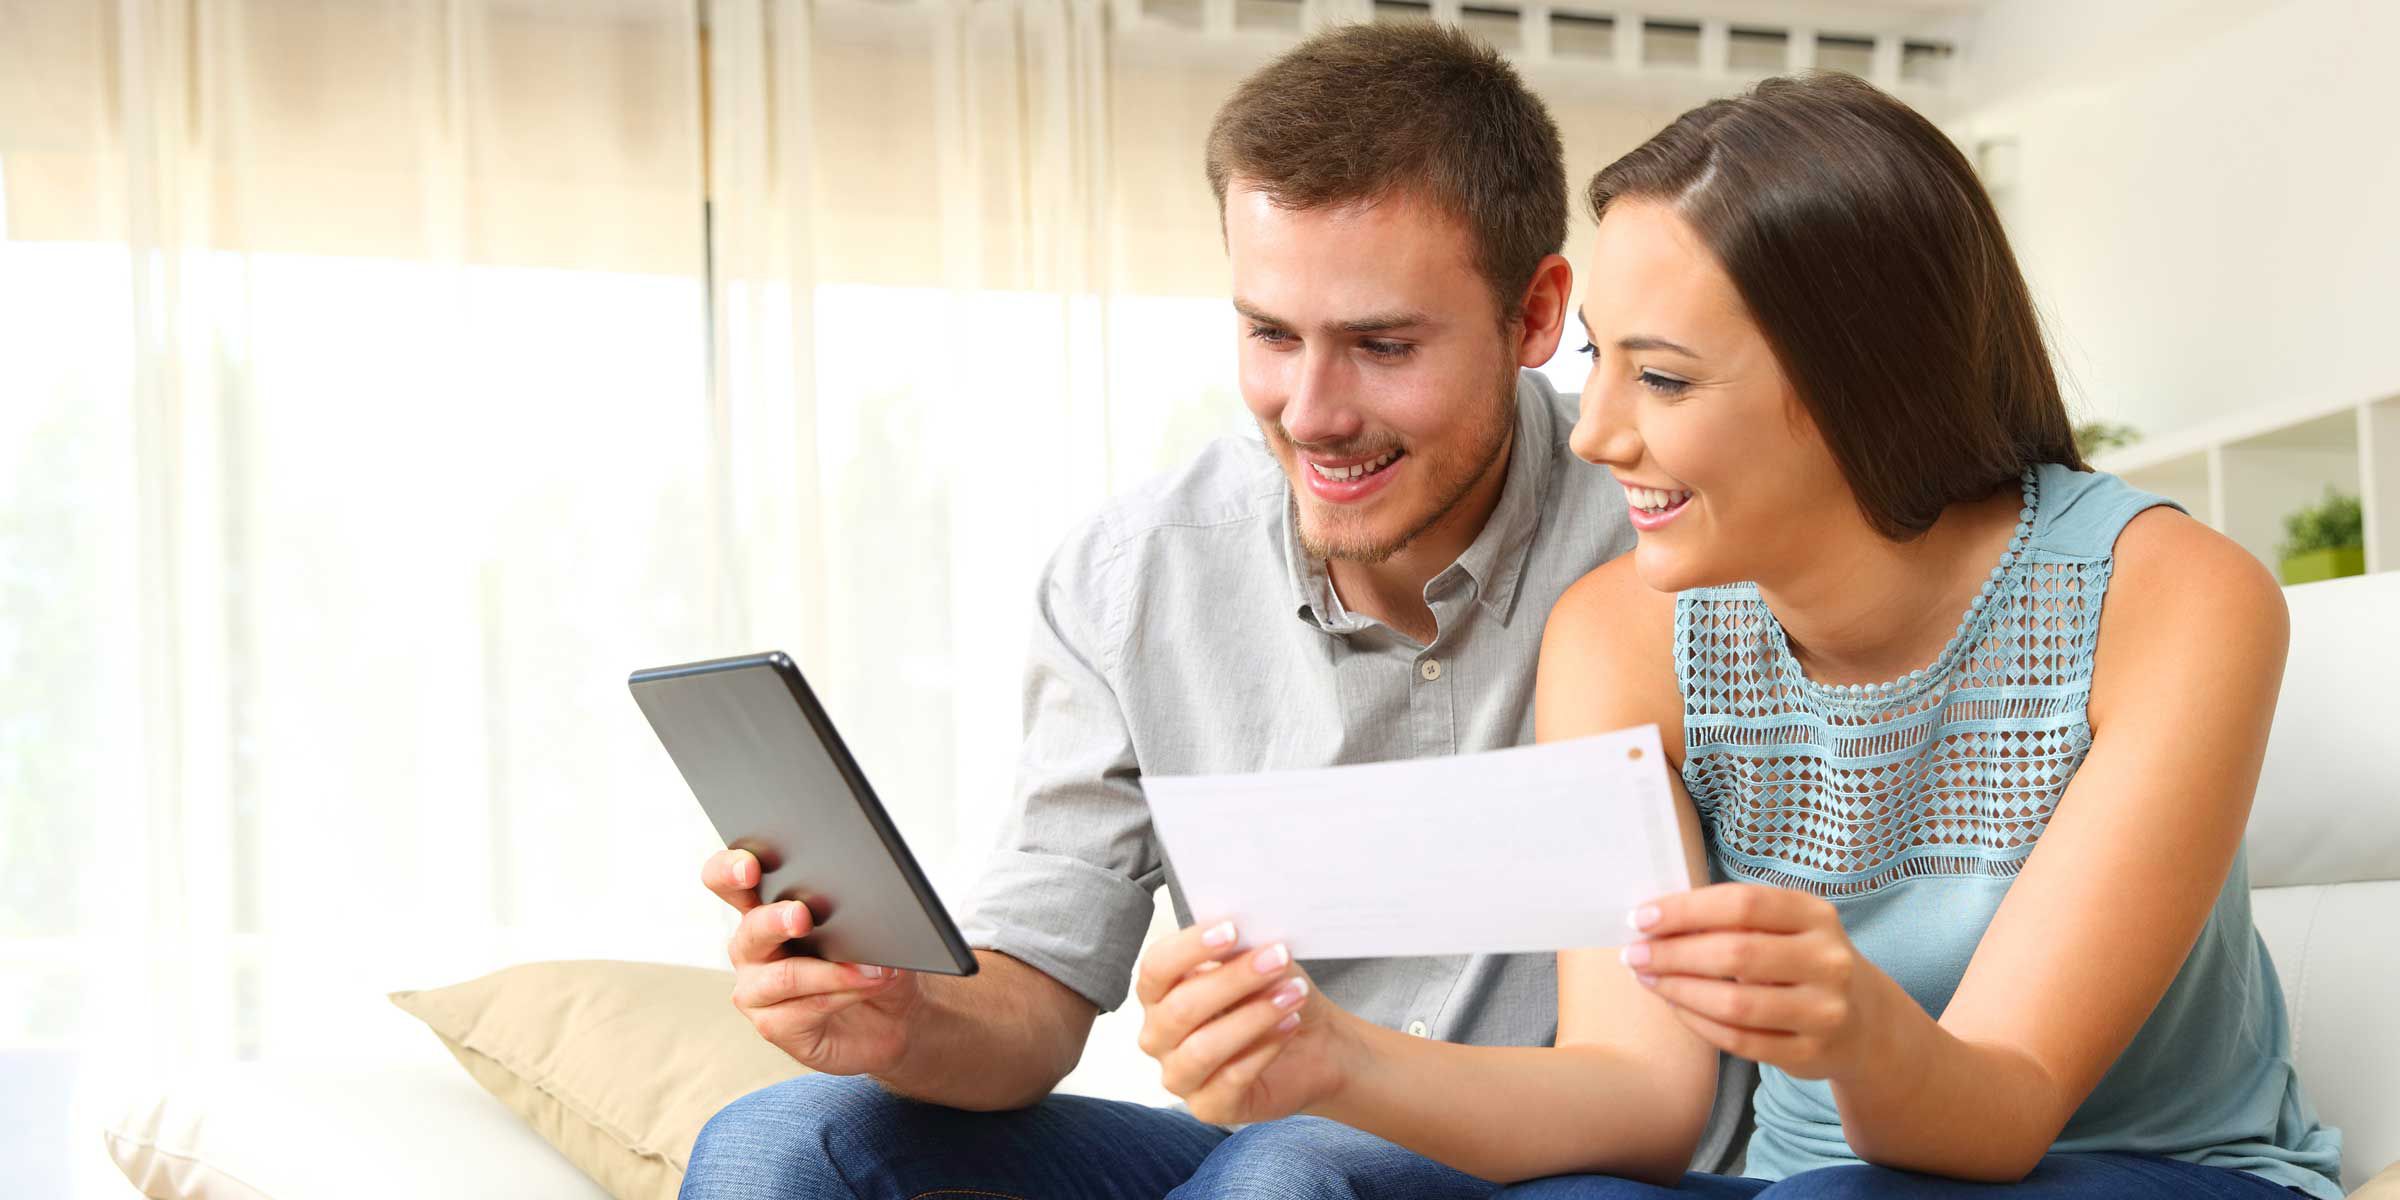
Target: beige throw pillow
point(617, 1064)
point(2385, 1186)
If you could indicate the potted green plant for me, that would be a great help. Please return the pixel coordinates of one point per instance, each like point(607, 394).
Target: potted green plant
point(2095, 438)
point(2326, 540)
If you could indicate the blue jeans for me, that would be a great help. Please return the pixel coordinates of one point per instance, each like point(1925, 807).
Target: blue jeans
point(831, 1136)
point(2059, 1177)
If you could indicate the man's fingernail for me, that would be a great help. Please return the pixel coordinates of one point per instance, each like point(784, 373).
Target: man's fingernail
point(1219, 934)
point(1273, 958)
point(791, 918)
point(874, 972)
point(1643, 917)
point(1635, 954)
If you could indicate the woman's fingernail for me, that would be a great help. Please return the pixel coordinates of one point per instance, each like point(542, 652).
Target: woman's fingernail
point(1273, 958)
point(1643, 917)
point(1645, 979)
point(1290, 994)
point(1219, 934)
point(1635, 954)
point(1288, 1024)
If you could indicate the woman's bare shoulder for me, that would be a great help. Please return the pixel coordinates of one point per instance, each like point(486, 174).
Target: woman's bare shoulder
point(1608, 656)
point(1612, 605)
point(2182, 594)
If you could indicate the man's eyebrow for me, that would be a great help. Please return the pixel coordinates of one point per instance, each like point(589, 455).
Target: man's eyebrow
point(1384, 322)
point(1372, 323)
point(1256, 313)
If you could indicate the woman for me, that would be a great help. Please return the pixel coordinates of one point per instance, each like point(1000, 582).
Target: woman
point(1971, 731)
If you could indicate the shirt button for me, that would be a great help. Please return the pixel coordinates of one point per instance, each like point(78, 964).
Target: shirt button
point(1417, 1029)
point(1431, 669)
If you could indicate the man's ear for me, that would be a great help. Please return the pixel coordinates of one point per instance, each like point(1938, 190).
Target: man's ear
point(1543, 311)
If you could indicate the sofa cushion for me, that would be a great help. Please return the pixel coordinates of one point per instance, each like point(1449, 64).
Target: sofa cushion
point(2328, 806)
point(330, 1128)
point(2340, 967)
point(616, 1064)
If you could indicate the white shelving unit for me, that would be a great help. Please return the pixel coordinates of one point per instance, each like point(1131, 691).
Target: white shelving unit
point(2244, 473)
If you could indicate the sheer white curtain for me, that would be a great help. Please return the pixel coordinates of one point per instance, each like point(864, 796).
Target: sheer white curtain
point(384, 380)
point(357, 442)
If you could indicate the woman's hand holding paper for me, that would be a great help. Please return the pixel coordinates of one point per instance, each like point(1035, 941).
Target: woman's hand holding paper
point(1767, 974)
point(1239, 1032)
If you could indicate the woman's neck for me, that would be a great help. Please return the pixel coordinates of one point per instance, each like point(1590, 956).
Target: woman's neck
point(1862, 608)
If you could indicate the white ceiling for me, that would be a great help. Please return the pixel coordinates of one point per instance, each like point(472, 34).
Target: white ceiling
point(1929, 17)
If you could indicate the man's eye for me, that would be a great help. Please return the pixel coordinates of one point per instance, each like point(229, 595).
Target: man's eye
point(1383, 349)
point(1269, 334)
point(1664, 385)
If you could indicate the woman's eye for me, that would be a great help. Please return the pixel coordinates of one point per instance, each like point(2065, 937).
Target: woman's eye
point(1589, 351)
point(1664, 385)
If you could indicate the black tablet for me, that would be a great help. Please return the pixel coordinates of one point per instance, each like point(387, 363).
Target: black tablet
point(776, 780)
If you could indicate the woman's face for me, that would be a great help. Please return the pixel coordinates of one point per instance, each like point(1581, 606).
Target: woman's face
point(1725, 473)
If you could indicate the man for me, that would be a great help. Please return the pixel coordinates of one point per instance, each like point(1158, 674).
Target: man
point(1372, 587)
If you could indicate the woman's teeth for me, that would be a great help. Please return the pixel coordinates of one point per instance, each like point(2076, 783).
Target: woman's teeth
point(1653, 500)
point(1359, 471)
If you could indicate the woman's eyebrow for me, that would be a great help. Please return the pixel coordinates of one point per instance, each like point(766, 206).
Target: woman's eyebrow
point(1638, 341)
point(1642, 341)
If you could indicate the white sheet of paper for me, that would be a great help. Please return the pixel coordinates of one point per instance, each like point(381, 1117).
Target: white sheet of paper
point(1541, 847)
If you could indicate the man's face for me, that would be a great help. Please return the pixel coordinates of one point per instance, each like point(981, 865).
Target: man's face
point(1373, 357)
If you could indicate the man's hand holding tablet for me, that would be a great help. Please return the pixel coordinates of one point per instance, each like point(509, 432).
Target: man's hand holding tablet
point(838, 911)
point(837, 1018)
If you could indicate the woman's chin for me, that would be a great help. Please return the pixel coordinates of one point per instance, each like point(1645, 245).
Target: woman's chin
point(1665, 570)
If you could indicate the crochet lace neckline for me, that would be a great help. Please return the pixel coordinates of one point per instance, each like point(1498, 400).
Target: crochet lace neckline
point(1978, 610)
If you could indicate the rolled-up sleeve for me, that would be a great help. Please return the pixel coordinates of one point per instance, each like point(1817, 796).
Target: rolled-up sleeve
point(1068, 890)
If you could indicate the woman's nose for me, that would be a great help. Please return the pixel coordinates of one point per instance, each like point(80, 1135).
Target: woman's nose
point(1603, 436)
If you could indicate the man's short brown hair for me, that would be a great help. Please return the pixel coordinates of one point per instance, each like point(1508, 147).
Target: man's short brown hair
point(1362, 112)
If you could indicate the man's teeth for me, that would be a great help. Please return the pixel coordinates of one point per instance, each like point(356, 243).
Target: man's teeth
point(1654, 500)
point(1345, 474)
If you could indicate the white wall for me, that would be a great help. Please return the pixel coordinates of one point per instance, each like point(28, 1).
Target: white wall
point(2204, 196)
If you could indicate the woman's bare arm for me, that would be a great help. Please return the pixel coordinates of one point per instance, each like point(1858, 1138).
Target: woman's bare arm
point(2192, 641)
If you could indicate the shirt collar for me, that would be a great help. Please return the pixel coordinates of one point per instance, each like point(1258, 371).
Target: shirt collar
point(1494, 563)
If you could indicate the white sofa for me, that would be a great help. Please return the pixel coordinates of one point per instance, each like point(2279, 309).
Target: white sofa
point(2324, 859)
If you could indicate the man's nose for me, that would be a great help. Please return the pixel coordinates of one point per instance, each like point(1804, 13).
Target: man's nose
point(1321, 411)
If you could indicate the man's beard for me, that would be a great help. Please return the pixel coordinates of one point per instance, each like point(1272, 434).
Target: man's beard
point(1448, 477)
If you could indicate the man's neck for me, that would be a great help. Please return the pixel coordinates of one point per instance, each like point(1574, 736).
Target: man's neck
point(1393, 591)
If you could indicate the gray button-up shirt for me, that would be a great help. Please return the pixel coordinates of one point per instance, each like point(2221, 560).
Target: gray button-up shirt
point(1184, 631)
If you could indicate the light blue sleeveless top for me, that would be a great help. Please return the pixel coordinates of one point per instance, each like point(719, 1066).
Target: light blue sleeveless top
point(1911, 806)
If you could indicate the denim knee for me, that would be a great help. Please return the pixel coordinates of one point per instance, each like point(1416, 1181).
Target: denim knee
point(1312, 1158)
point(785, 1142)
point(1853, 1181)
